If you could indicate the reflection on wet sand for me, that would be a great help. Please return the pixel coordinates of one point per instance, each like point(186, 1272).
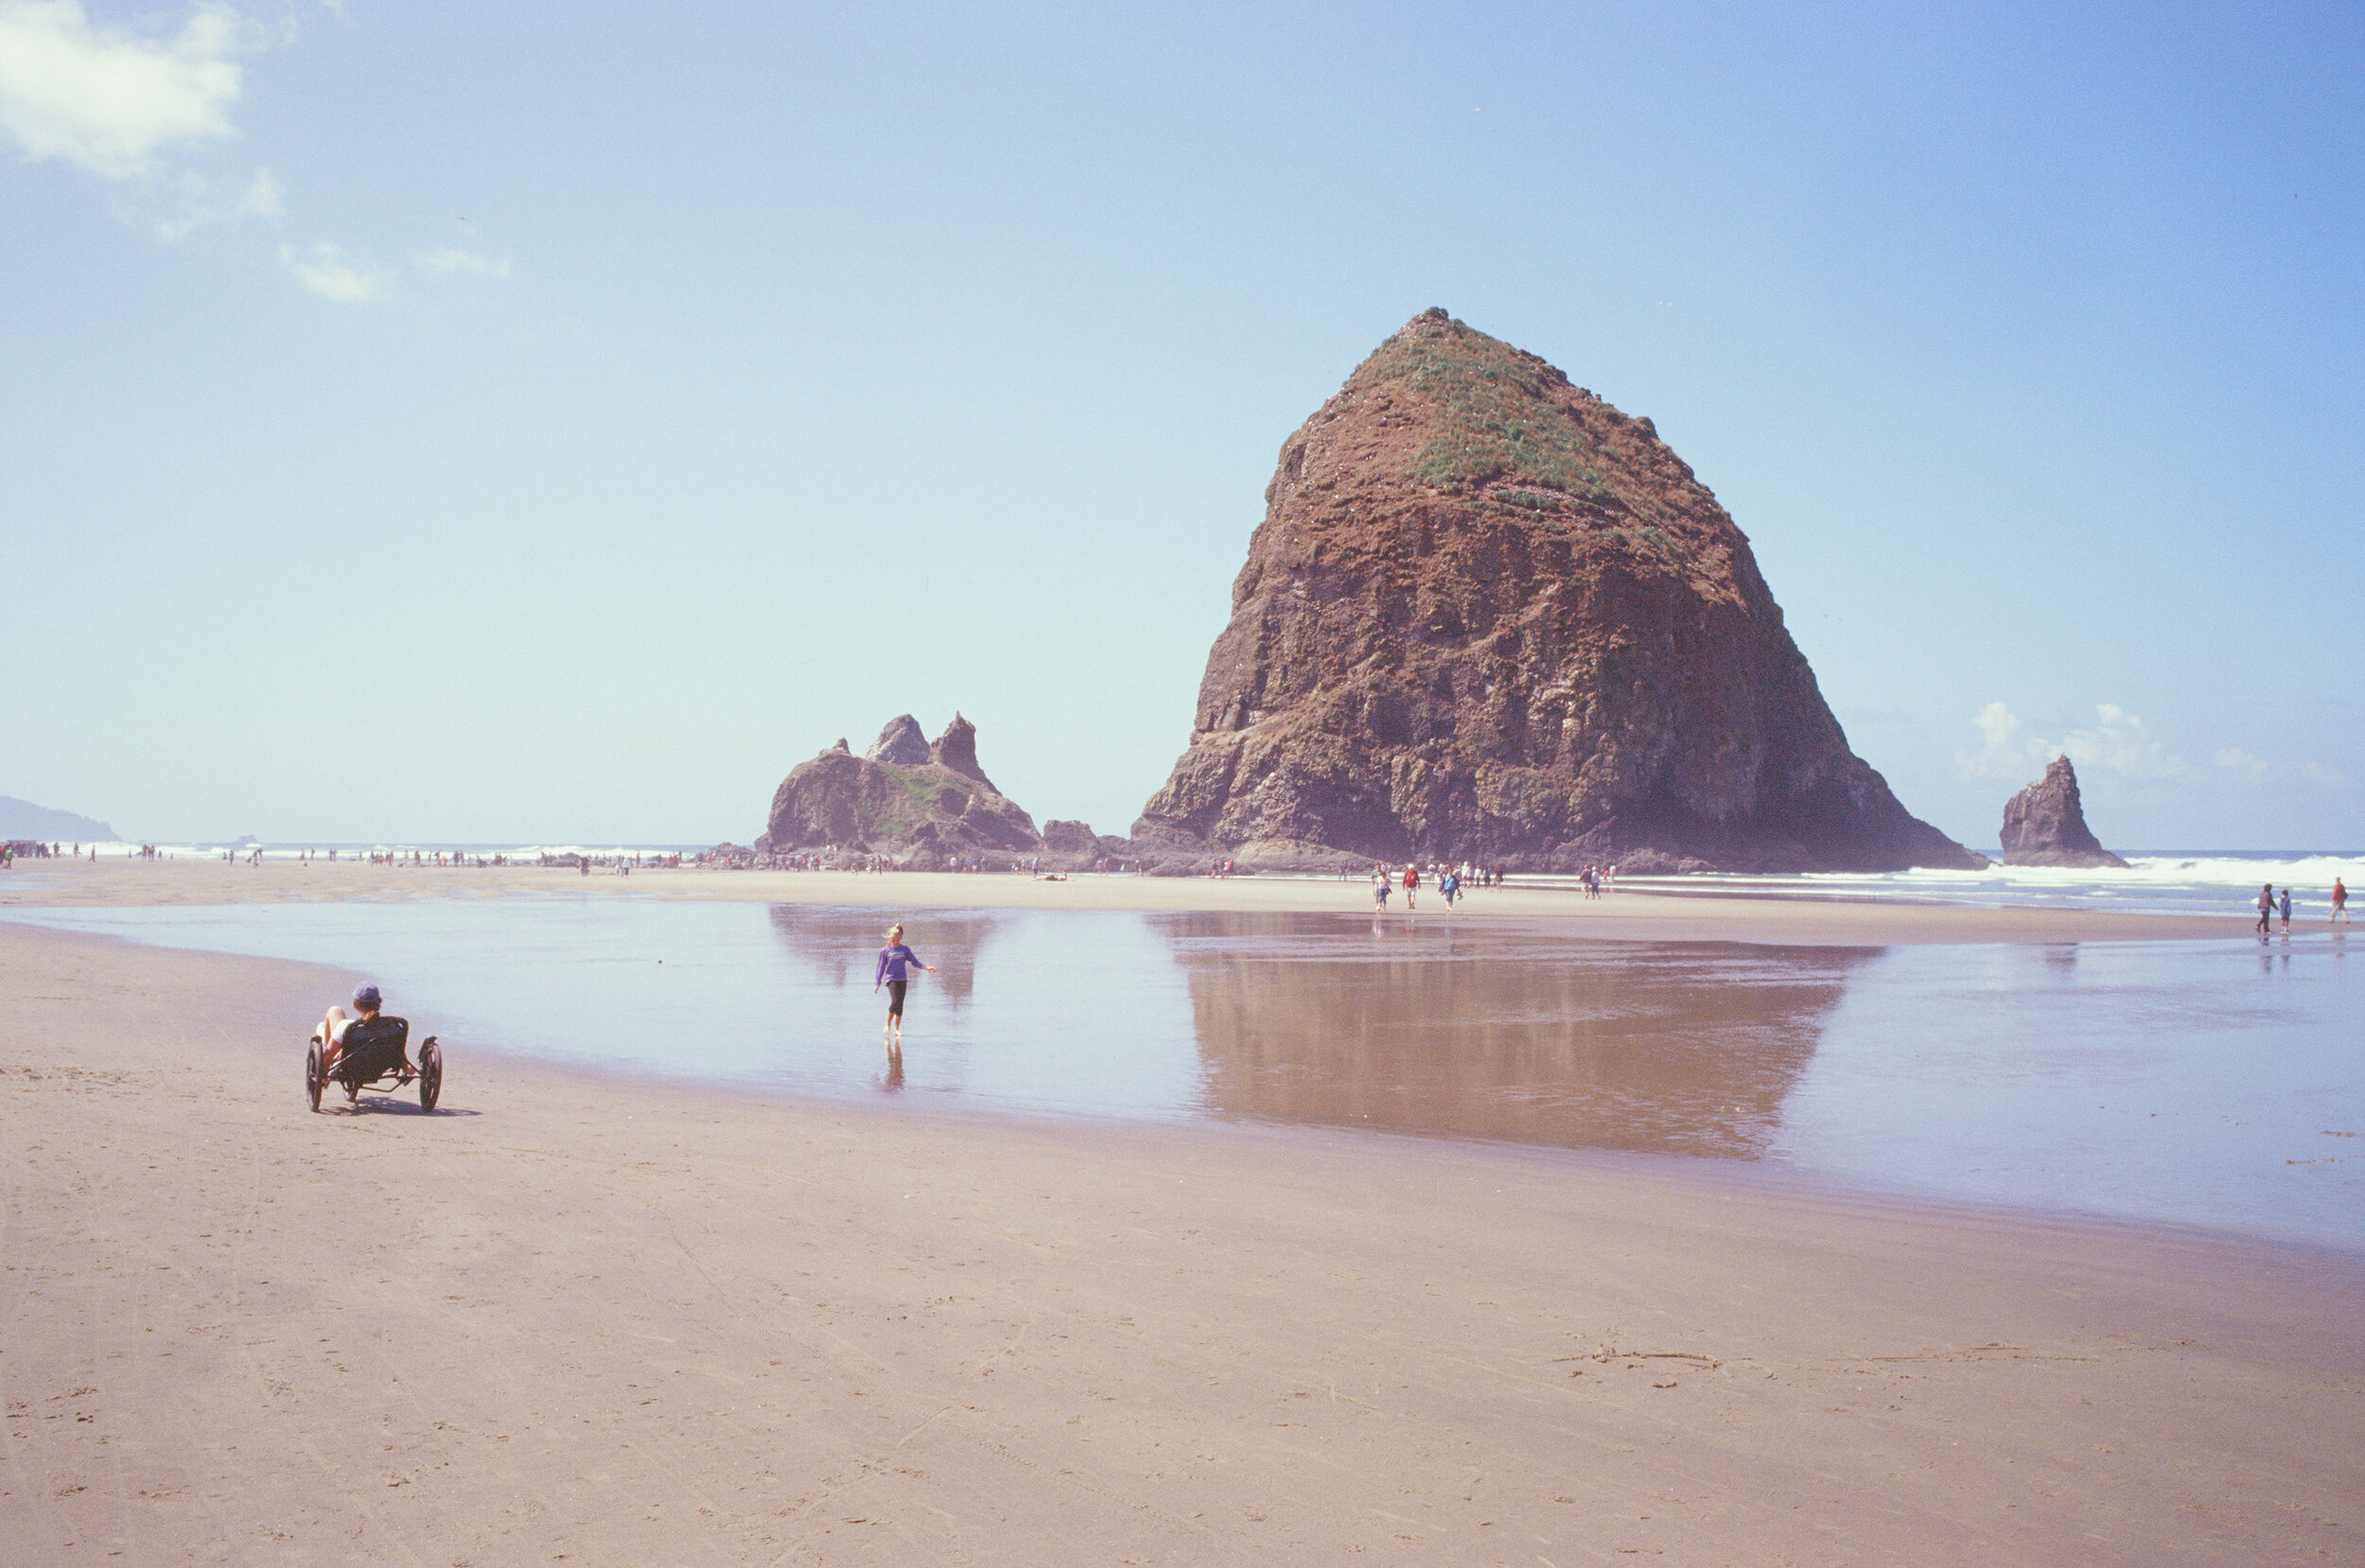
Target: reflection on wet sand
point(841, 943)
point(1412, 1026)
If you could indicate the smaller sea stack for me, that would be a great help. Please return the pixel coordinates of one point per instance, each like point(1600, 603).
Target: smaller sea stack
point(906, 798)
point(2045, 823)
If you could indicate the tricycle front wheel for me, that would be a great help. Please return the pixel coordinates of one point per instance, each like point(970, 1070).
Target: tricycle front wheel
point(430, 1074)
point(313, 1076)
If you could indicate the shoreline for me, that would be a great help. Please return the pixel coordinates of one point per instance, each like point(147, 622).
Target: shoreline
point(1620, 915)
point(629, 1322)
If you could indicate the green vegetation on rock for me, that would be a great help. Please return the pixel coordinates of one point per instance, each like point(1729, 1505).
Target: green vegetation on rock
point(1495, 421)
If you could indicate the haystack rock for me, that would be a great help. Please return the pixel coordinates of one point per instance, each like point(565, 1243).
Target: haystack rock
point(1488, 615)
point(2045, 823)
point(905, 798)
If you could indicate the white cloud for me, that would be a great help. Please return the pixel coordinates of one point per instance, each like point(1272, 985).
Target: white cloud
point(2234, 759)
point(2315, 772)
point(328, 273)
point(2119, 743)
point(445, 260)
point(2004, 755)
point(106, 98)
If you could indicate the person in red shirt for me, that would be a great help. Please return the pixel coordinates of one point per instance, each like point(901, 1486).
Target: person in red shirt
point(1411, 884)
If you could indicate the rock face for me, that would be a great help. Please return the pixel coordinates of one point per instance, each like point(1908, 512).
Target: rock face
point(1489, 616)
point(2045, 823)
point(1069, 838)
point(906, 798)
point(902, 744)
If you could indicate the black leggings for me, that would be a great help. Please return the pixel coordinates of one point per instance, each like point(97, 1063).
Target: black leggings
point(895, 998)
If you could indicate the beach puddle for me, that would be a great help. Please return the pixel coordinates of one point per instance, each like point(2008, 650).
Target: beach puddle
point(2207, 1082)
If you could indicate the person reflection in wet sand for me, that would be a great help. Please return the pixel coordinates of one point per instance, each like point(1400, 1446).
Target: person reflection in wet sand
point(895, 964)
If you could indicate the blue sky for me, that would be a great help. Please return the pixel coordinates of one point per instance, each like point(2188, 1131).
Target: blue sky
point(552, 423)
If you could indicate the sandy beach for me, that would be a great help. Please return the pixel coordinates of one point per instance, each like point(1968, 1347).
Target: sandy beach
point(588, 1318)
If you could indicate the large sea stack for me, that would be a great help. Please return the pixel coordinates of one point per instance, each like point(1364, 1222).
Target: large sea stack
point(907, 798)
point(1489, 616)
point(2045, 823)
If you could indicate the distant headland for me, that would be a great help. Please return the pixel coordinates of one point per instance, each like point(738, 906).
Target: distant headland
point(22, 819)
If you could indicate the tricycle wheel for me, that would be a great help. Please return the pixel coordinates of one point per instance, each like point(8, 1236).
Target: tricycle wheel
point(430, 1074)
point(352, 1090)
point(313, 1075)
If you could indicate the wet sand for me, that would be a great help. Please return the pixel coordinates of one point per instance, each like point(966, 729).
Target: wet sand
point(619, 1322)
point(1642, 916)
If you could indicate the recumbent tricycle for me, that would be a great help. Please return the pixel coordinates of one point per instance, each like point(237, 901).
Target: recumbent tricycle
point(373, 1057)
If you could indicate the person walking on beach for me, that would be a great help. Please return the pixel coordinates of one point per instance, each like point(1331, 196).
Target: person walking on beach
point(1381, 889)
point(2340, 903)
point(1411, 884)
point(894, 971)
point(2265, 907)
point(2286, 908)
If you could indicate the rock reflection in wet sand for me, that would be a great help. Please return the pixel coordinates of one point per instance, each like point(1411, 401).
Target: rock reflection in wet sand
point(1509, 1032)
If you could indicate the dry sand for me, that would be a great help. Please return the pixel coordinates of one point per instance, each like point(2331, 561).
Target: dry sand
point(593, 1321)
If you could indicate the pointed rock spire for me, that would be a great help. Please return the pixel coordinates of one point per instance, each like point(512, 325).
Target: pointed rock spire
point(903, 743)
point(2045, 823)
point(956, 749)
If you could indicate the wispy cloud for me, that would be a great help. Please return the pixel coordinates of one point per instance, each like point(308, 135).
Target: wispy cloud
point(107, 98)
point(446, 261)
point(326, 270)
point(174, 206)
point(2233, 760)
point(264, 197)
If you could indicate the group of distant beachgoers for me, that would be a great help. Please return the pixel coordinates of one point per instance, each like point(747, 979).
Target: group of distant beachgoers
point(21, 850)
point(32, 849)
point(1450, 880)
point(2273, 906)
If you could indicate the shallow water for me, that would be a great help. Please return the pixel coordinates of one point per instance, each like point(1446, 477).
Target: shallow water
point(2207, 1082)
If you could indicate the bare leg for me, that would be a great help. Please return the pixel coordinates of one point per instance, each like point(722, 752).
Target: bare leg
point(330, 1049)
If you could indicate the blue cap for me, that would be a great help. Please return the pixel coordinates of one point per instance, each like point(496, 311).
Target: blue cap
point(367, 996)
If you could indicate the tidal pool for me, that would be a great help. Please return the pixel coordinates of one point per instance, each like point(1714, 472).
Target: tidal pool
point(2217, 1084)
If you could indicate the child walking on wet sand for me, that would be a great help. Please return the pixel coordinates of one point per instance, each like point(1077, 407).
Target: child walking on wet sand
point(895, 964)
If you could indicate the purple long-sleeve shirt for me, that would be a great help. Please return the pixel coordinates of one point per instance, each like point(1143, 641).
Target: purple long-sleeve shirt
point(891, 964)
